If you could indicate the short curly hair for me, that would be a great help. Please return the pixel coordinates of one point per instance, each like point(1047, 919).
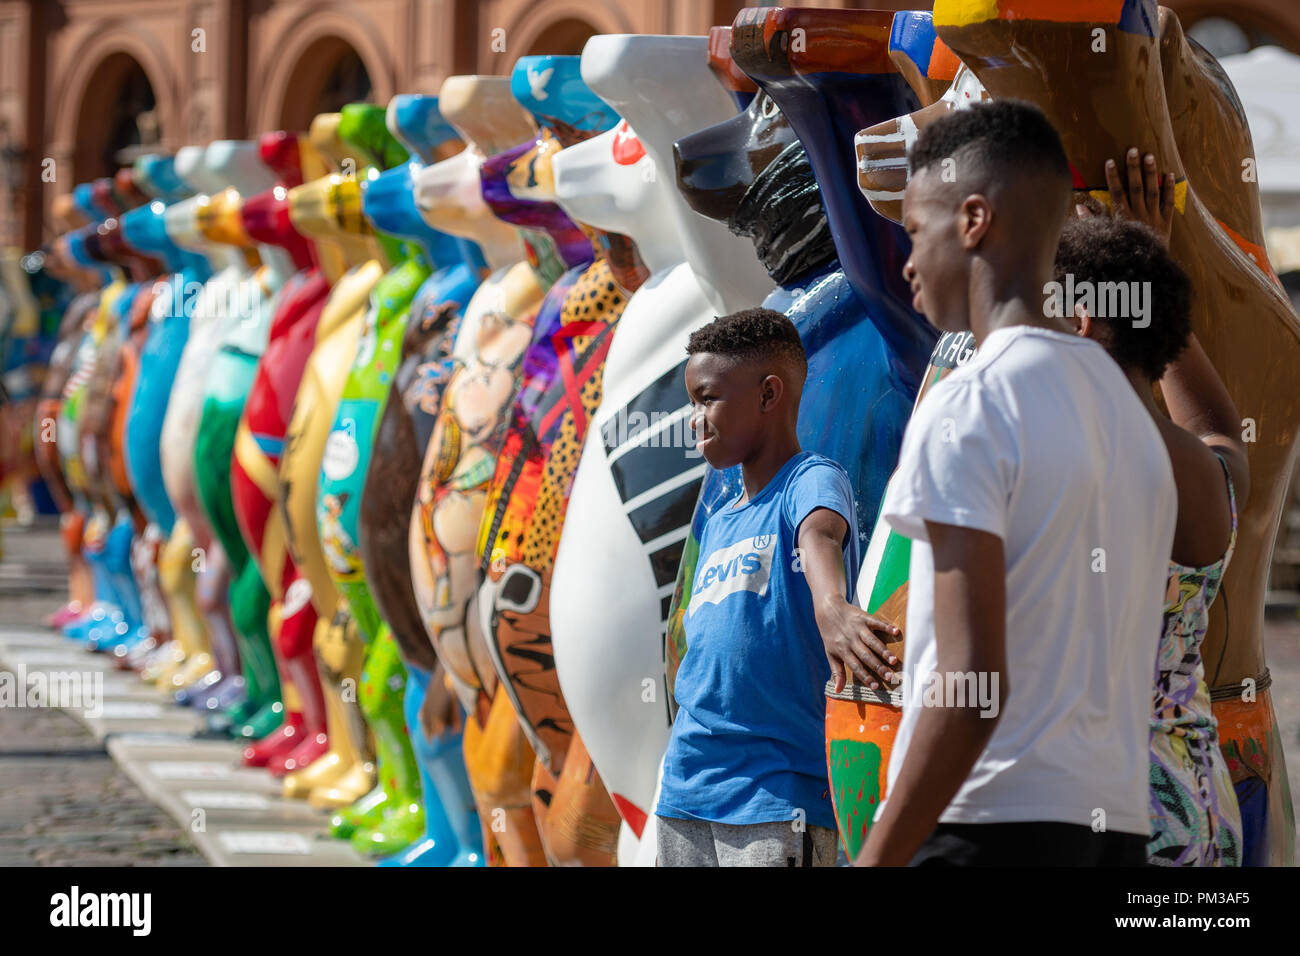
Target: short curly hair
point(751, 334)
point(1004, 136)
point(1099, 249)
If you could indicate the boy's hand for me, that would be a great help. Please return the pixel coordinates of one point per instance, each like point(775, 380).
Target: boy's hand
point(855, 644)
point(1140, 194)
point(849, 634)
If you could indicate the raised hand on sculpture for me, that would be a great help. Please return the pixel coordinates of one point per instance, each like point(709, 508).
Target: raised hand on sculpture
point(1148, 198)
point(1142, 195)
point(1193, 392)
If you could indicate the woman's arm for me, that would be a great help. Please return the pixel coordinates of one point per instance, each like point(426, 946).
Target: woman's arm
point(1196, 397)
point(1198, 401)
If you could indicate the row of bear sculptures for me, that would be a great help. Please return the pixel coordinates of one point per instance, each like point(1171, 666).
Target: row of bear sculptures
point(371, 441)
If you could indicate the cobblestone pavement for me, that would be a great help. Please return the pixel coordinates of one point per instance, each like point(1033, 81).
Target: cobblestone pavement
point(63, 802)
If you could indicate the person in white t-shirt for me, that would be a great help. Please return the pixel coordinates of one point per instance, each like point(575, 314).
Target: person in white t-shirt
point(1041, 506)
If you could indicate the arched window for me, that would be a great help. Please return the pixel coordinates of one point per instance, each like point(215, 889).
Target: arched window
point(564, 37)
point(328, 75)
point(116, 119)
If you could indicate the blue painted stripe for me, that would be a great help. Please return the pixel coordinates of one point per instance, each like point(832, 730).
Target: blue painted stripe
point(912, 33)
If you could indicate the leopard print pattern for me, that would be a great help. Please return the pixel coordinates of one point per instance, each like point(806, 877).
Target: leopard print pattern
point(520, 534)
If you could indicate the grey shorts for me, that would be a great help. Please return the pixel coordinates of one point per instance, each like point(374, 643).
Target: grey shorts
point(701, 843)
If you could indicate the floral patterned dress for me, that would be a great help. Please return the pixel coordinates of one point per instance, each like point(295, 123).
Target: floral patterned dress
point(1194, 816)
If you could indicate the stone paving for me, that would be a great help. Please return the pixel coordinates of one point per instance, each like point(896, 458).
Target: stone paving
point(63, 802)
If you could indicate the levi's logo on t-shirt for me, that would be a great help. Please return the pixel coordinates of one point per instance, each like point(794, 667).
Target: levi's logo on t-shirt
point(743, 566)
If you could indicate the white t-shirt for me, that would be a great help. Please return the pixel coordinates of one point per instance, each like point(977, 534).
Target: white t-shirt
point(1041, 440)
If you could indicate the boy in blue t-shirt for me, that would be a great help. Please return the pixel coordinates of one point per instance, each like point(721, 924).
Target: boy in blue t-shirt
point(745, 781)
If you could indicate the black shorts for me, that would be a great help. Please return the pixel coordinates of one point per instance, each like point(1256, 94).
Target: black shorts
point(1029, 844)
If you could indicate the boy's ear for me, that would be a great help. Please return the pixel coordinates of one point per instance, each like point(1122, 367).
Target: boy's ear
point(975, 216)
point(1082, 320)
point(770, 391)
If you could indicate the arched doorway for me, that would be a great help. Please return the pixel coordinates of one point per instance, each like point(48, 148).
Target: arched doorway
point(564, 37)
point(116, 119)
point(329, 74)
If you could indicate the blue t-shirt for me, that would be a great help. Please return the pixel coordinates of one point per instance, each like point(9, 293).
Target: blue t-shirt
point(749, 741)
